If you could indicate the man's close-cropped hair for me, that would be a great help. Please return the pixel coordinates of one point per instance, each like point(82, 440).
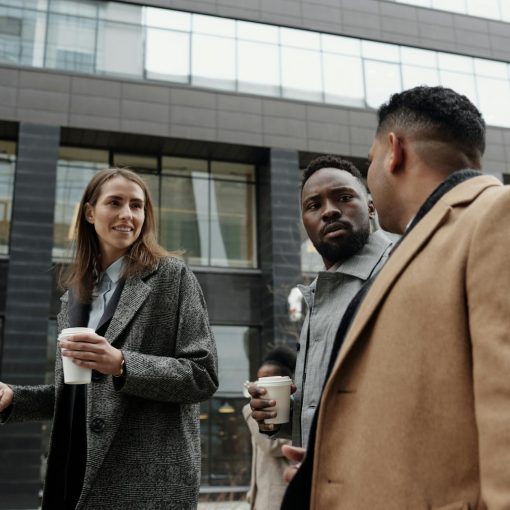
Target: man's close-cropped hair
point(437, 113)
point(330, 161)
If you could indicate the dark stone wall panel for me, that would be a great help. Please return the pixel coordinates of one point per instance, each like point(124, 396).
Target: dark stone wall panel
point(27, 303)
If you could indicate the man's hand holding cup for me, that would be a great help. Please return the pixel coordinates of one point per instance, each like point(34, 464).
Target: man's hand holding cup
point(270, 401)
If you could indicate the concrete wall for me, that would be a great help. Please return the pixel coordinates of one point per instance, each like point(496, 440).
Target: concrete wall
point(67, 100)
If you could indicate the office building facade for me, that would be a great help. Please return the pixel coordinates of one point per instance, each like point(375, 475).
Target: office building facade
point(218, 104)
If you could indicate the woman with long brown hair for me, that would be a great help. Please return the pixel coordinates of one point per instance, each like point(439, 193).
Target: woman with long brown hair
point(131, 438)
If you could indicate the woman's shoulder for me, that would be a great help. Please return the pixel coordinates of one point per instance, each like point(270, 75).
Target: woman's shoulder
point(171, 266)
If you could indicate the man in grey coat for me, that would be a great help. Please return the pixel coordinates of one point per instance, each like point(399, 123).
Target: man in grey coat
point(337, 213)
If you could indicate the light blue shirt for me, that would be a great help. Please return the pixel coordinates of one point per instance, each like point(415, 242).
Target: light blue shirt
point(103, 291)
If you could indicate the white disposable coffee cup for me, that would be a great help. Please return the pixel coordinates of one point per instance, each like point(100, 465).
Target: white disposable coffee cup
point(278, 389)
point(74, 374)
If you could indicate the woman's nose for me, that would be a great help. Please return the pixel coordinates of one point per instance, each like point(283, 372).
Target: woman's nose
point(126, 212)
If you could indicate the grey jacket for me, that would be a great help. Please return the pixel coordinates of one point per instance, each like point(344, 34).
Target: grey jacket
point(327, 298)
point(143, 434)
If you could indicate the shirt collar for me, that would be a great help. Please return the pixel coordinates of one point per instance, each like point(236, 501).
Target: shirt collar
point(362, 263)
point(114, 270)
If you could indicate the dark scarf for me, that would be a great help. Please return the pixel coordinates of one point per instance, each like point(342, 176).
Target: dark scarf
point(297, 496)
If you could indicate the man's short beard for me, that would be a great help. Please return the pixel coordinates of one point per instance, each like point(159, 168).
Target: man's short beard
point(343, 248)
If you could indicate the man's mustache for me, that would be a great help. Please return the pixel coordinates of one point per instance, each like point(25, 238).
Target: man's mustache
point(335, 225)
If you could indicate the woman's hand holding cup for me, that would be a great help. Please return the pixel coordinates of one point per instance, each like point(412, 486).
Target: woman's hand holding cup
point(89, 350)
point(6, 396)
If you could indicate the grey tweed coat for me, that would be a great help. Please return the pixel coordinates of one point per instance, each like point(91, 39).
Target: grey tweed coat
point(143, 435)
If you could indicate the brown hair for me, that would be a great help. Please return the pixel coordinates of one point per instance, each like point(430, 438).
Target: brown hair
point(144, 253)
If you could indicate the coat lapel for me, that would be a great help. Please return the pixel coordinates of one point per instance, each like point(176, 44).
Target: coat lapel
point(130, 298)
point(405, 253)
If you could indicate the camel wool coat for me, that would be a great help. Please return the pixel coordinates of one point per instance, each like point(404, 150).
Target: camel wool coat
point(143, 434)
point(416, 413)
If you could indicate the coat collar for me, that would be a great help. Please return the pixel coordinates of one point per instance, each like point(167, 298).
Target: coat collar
point(122, 306)
point(361, 265)
point(462, 194)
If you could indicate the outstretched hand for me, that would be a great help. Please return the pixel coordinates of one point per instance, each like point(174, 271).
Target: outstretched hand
point(6, 396)
point(92, 351)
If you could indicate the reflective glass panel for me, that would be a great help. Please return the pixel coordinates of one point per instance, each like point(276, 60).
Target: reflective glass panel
point(71, 43)
point(301, 74)
point(382, 80)
point(7, 170)
point(300, 39)
point(343, 79)
point(461, 83)
point(232, 224)
point(258, 68)
point(213, 26)
point(450, 62)
point(449, 5)
point(491, 68)
point(413, 76)
point(341, 45)
point(225, 437)
point(257, 32)
point(494, 100)
point(484, 8)
point(213, 62)
point(418, 57)
point(380, 51)
point(184, 211)
point(165, 18)
point(119, 49)
point(75, 168)
point(167, 55)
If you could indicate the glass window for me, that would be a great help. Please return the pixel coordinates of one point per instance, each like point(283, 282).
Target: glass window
point(413, 76)
point(417, 57)
point(164, 18)
point(119, 12)
point(382, 80)
point(341, 45)
point(494, 100)
point(258, 68)
point(257, 32)
point(76, 166)
point(301, 74)
point(7, 170)
point(343, 79)
point(226, 449)
point(449, 5)
point(213, 26)
point(300, 39)
point(185, 208)
point(208, 211)
point(490, 68)
point(213, 61)
point(380, 51)
point(119, 49)
point(166, 55)
point(71, 43)
point(461, 83)
point(450, 62)
point(484, 8)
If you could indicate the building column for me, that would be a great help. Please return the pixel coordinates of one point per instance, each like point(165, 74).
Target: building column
point(29, 283)
point(280, 244)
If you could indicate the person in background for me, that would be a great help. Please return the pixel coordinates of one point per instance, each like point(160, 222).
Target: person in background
point(336, 212)
point(416, 411)
point(268, 463)
point(131, 438)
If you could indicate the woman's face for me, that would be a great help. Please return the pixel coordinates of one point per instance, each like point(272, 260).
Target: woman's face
point(118, 217)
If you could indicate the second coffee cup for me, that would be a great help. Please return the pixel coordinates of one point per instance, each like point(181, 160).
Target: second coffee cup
point(278, 389)
point(74, 374)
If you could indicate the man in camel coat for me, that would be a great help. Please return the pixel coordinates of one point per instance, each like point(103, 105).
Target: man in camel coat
point(416, 411)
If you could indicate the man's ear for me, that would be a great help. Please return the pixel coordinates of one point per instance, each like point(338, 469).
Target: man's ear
point(371, 208)
point(395, 153)
point(89, 213)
